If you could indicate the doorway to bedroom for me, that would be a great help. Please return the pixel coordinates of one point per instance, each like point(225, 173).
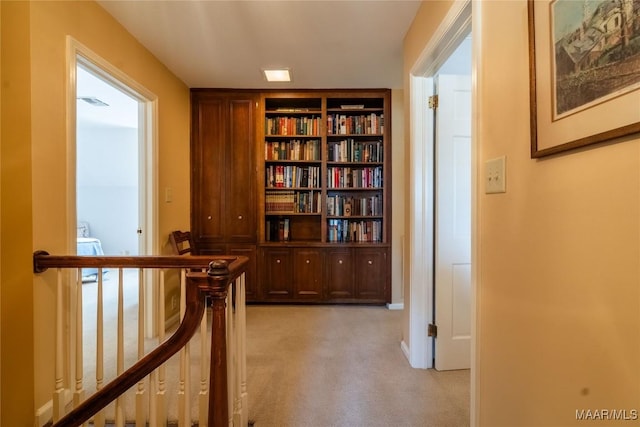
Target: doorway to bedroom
point(107, 168)
point(113, 149)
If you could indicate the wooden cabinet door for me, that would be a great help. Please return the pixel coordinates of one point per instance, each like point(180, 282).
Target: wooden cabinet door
point(371, 274)
point(240, 185)
point(339, 277)
point(208, 169)
point(276, 267)
point(250, 276)
point(307, 273)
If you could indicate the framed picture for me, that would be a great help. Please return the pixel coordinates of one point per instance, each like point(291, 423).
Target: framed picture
point(584, 72)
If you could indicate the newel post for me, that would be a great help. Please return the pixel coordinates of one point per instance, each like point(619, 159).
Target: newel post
point(217, 287)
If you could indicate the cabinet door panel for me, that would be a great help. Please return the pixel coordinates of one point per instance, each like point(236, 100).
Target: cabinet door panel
point(241, 174)
point(277, 274)
point(208, 156)
point(370, 273)
point(339, 281)
point(307, 273)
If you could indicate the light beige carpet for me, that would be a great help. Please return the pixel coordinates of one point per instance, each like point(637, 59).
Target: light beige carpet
point(317, 366)
point(322, 366)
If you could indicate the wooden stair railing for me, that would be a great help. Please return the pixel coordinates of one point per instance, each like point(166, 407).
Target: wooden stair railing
point(213, 284)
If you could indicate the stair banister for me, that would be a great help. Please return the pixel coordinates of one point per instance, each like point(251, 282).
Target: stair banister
point(214, 283)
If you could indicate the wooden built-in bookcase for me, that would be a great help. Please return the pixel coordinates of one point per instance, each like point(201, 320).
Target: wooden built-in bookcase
point(322, 176)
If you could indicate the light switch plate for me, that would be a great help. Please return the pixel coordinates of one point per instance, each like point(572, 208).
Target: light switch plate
point(495, 176)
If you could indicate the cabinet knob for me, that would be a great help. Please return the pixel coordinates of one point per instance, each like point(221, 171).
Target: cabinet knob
point(339, 261)
point(308, 261)
point(209, 217)
point(277, 261)
point(239, 216)
point(370, 262)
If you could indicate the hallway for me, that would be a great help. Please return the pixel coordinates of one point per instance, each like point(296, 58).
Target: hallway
point(321, 366)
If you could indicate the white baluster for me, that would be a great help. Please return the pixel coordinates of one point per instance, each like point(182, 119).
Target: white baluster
point(99, 418)
point(58, 393)
point(231, 358)
point(78, 395)
point(241, 352)
point(141, 393)
point(158, 409)
point(120, 347)
point(205, 355)
point(184, 407)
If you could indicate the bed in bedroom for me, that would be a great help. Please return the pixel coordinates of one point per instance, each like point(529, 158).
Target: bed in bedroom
point(87, 245)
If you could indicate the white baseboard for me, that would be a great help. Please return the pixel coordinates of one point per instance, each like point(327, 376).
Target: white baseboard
point(405, 350)
point(173, 320)
point(44, 414)
point(396, 306)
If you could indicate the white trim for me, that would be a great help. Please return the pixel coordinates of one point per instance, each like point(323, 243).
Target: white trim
point(421, 225)
point(476, 182)
point(172, 321)
point(44, 414)
point(446, 38)
point(453, 28)
point(396, 306)
point(405, 349)
point(77, 53)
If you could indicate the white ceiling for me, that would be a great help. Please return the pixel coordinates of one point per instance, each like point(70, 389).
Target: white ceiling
point(120, 110)
point(226, 44)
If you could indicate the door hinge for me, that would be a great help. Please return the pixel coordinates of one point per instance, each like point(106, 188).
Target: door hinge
point(432, 330)
point(433, 102)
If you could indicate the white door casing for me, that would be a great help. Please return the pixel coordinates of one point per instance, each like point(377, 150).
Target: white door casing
point(148, 215)
point(453, 223)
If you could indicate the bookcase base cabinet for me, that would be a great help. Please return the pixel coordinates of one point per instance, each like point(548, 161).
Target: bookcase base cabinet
point(357, 275)
point(249, 251)
point(292, 274)
point(324, 275)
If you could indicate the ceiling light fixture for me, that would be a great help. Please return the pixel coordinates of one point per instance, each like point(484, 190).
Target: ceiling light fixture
point(277, 75)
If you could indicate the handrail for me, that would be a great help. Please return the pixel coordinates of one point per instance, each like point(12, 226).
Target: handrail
point(42, 261)
point(222, 271)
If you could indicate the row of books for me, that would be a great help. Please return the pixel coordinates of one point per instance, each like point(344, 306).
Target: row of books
point(365, 124)
point(347, 177)
point(287, 176)
point(350, 150)
point(344, 230)
point(292, 150)
point(338, 205)
point(277, 230)
point(292, 125)
point(293, 202)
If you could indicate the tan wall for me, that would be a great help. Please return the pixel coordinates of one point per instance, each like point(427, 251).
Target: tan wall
point(40, 209)
point(559, 279)
point(16, 290)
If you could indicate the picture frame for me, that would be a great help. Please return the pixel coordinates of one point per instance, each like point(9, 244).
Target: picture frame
point(579, 51)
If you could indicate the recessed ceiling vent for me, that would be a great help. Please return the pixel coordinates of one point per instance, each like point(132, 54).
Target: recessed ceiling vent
point(93, 101)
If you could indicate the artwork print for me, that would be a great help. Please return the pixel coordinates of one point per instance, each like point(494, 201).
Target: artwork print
point(595, 52)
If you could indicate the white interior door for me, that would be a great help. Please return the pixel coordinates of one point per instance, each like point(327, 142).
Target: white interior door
point(453, 223)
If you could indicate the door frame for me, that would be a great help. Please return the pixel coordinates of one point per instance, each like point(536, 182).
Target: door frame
point(77, 53)
point(453, 27)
